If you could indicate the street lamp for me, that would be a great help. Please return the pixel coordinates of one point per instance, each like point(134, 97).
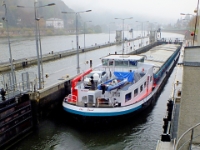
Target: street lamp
point(185, 14)
point(39, 55)
point(195, 20)
point(8, 36)
point(123, 30)
point(84, 33)
point(77, 45)
point(142, 30)
point(109, 29)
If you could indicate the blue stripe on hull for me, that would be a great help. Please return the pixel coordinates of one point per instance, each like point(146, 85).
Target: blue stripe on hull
point(103, 114)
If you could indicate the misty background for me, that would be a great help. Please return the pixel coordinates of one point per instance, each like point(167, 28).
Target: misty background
point(158, 13)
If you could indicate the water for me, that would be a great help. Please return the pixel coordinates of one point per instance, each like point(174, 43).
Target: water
point(56, 132)
point(25, 47)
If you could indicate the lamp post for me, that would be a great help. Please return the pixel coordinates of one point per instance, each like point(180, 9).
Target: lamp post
point(39, 56)
point(84, 33)
point(123, 30)
point(42, 72)
point(109, 29)
point(77, 44)
point(142, 31)
point(195, 20)
point(8, 36)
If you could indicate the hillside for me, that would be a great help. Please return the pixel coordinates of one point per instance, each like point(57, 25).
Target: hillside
point(24, 17)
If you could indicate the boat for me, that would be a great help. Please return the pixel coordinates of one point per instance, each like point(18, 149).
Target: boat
point(130, 86)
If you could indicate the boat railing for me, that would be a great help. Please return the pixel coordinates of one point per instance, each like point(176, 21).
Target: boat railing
point(72, 99)
point(19, 88)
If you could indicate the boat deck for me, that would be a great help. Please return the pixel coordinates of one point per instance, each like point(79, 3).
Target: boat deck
point(159, 54)
point(176, 95)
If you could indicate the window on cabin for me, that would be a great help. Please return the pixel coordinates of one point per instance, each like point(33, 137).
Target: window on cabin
point(141, 60)
point(135, 92)
point(103, 73)
point(121, 63)
point(132, 63)
point(128, 97)
point(145, 84)
point(141, 88)
point(104, 62)
point(111, 63)
point(125, 63)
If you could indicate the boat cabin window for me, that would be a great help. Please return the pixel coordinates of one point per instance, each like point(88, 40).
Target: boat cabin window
point(141, 60)
point(103, 73)
point(141, 88)
point(150, 78)
point(127, 97)
point(121, 63)
point(145, 83)
point(132, 63)
point(111, 63)
point(104, 62)
point(135, 92)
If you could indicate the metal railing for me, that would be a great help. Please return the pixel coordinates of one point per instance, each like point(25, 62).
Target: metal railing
point(189, 140)
point(19, 88)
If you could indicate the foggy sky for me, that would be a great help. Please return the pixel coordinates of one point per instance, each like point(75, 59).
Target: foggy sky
point(160, 11)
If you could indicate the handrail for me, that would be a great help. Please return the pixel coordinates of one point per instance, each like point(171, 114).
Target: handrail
point(192, 128)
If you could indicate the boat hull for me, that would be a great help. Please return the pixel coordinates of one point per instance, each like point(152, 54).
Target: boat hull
point(107, 118)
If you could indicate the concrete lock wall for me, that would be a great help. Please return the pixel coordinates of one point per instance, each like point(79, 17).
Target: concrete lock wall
point(190, 104)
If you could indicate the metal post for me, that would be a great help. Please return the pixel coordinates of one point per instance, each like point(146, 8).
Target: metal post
point(109, 32)
point(41, 63)
point(37, 48)
point(77, 45)
point(84, 32)
point(123, 38)
point(39, 58)
point(8, 36)
point(196, 21)
point(123, 31)
point(84, 36)
point(142, 36)
point(191, 139)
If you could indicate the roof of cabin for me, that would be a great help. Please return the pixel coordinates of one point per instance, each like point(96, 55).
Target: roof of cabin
point(123, 57)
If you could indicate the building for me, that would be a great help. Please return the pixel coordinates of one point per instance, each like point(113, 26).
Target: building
point(55, 23)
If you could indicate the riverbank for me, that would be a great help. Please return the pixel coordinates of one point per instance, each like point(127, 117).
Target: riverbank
point(30, 32)
point(25, 62)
